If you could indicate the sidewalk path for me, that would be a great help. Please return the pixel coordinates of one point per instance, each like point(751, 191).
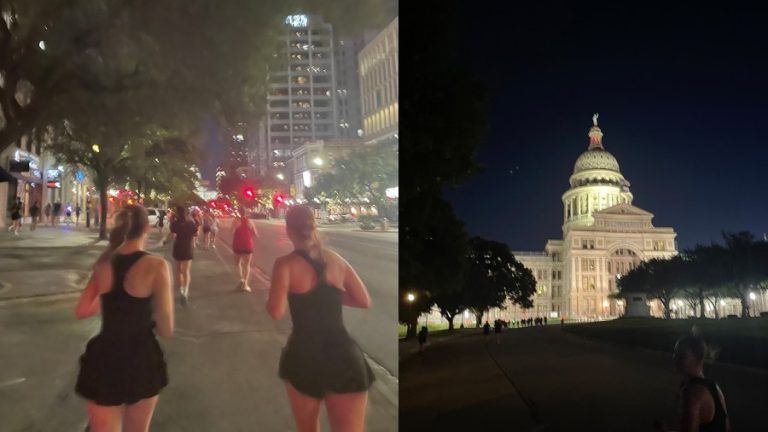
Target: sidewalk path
point(46, 236)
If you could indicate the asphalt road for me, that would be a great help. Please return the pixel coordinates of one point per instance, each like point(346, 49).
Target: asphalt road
point(222, 359)
point(543, 379)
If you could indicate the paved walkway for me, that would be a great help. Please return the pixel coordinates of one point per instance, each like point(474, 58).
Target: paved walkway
point(543, 378)
point(47, 236)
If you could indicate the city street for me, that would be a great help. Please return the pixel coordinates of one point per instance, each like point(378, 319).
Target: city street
point(223, 357)
point(544, 379)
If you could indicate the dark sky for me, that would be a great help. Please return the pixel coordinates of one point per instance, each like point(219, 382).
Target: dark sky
point(683, 103)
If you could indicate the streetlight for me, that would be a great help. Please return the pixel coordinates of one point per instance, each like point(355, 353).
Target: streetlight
point(410, 297)
point(95, 148)
point(318, 161)
point(280, 176)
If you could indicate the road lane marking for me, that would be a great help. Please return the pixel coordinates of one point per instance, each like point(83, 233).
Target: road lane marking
point(12, 382)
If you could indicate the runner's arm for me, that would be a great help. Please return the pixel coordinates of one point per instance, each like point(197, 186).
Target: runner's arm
point(162, 301)
point(278, 290)
point(692, 398)
point(355, 293)
point(90, 301)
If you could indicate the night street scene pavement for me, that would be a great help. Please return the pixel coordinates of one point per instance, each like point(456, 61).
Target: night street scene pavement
point(223, 357)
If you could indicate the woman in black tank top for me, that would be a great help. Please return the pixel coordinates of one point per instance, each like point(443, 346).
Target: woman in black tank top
point(320, 363)
point(703, 404)
point(123, 369)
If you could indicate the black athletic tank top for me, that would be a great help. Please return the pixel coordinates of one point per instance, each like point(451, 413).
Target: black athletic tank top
point(718, 422)
point(318, 311)
point(122, 313)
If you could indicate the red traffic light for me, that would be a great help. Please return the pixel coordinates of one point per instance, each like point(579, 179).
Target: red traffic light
point(248, 193)
point(212, 204)
point(278, 199)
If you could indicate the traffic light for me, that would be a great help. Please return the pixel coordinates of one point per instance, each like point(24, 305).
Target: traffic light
point(278, 199)
point(212, 204)
point(248, 193)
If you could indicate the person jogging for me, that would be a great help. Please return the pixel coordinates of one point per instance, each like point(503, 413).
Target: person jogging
point(242, 245)
point(321, 362)
point(210, 229)
point(184, 232)
point(34, 213)
point(123, 368)
point(423, 333)
point(16, 210)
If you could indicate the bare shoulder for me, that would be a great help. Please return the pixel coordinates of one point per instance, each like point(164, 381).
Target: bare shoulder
point(695, 393)
point(333, 257)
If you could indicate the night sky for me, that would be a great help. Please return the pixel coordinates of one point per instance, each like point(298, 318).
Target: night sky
point(683, 104)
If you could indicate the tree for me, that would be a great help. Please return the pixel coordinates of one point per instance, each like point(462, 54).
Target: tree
point(493, 276)
point(743, 266)
point(182, 58)
point(363, 175)
point(657, 278)
point(435, 264)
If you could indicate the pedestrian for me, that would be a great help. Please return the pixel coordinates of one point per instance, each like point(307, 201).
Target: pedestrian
point(160, 220)
point(320, 362)
point(184, 232)
point(197, 219)
point(34, 212)
point(77, 215)
point(208, 222)
point(47, 212)
point(214, 230)
point(123, 368)
point(242, 245)
point(423, 333)
point(497, 330)
point(545, 320)
point(562, 321)
point(56, 213)
point(486, 328)
point(703, 403)
point(68, 214)
point(16, 213)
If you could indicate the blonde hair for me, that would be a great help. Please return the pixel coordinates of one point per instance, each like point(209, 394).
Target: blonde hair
point(117, 235)
point(301, 222)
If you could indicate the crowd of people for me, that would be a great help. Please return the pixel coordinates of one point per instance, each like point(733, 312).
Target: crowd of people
point(123, 369)
point(51, 215)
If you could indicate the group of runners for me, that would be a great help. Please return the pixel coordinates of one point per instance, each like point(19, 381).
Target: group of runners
point(123, 369)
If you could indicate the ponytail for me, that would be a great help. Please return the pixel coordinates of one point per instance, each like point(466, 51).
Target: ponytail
point(301, 221)
point(117, 235)
point(315, 245)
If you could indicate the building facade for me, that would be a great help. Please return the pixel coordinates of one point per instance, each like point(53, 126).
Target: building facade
point(379, 68)
point(301, 98)
point(604, 237)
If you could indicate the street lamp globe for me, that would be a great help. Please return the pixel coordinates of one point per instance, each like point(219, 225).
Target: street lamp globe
point(411, 297)
point(318, 161)
point(752, 296)
point(281, 176)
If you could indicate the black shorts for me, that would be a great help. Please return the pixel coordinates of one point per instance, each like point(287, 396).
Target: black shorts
point(15, 216)
point(206, 229)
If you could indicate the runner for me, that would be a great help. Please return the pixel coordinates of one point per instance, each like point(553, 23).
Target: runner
point(210, 229)
point(34, 212)
point(123, 370)
point(47, 211)
point(321, 362)
point(16, 210)
point(184, 232)
point(243, 245)
point(160, 220)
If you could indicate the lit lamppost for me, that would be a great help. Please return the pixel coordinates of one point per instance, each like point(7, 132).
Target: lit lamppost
point(410, 297)
point(752, 297)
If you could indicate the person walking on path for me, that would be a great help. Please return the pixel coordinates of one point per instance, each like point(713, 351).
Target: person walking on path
point(184, 232)
point(487, 328)
point(77, 215)
point(34, 212)
point(423, 333)
point(242, 245)
point(16, 210)
point(47, 212)
point(123, 368)
point(160, 220)
point(68, 214)
point(497, 330)
point(321, 362)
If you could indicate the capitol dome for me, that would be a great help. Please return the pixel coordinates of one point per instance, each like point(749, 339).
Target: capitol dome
point(596, 158)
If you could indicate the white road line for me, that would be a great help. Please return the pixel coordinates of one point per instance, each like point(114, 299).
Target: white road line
point(12, 382)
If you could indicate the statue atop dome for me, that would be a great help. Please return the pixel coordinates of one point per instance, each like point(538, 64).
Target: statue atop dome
point(594, 119)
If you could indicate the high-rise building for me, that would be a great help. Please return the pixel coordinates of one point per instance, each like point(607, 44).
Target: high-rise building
point(378, 65)
point(301, 98)
point(348, 109)
point(237, 154)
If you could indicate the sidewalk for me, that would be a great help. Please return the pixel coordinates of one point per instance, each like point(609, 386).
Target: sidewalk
point(46, 236)
point(408, 348)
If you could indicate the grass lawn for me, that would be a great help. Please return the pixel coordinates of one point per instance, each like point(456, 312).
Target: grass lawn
point(739, 341)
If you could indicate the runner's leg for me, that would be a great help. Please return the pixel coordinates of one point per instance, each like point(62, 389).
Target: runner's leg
point(306, 410)
point(139, 415)
point(104, 418)
point(346, 411)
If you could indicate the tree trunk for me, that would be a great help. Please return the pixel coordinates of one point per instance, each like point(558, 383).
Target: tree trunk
point(478, 319)
point(744, 306)
point(450, 321)
point(104, 202)
point(414, 322)
point(667, 312)
point(701, 303)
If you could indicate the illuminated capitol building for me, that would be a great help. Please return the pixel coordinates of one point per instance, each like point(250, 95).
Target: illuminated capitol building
point(604, 236)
